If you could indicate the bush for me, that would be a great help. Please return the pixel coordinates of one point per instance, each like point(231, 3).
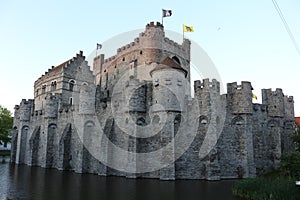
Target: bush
point(266, 188)
point(290, 164)
point(275, 185)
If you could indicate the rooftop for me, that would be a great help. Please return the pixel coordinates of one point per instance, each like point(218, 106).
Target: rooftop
point(168, 63)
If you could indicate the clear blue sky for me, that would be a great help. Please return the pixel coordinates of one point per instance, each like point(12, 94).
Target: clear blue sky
point(246, 40)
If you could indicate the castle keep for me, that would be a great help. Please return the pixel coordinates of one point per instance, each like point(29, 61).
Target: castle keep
point(133, 115)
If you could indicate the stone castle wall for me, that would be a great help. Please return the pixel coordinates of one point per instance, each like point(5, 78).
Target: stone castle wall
point(121, 100)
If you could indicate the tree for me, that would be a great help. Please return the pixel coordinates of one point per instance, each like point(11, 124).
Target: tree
point(6, 123)
point(296, 138)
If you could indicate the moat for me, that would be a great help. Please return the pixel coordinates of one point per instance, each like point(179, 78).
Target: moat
point(25, 182)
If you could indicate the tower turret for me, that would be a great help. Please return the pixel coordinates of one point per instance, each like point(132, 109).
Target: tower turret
point(205, 93)
point(239, 97)
point(169, 81)
point(274, 101)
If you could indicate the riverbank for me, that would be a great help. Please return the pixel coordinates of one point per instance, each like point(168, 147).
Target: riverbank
point(267, 187)
point(279, 184)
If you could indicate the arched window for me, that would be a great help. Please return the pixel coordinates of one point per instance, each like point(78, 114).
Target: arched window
point(71, 85)
point(238, 121)
point(203, 120)
point(71, 101)
point(141, 121)
point(177, 121)
point(43, 89)
point(53, 85)
point(37, 92)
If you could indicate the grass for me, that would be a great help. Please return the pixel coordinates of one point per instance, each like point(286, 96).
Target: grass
point(275, 185)
point(4, 152)
point(270, 186)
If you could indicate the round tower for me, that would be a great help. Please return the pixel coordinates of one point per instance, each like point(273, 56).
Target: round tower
point(169, 81)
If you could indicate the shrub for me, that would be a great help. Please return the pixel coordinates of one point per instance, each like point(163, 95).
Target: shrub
point(290, 164)
point(279, 188)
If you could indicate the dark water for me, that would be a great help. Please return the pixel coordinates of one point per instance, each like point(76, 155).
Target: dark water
point(24, 182)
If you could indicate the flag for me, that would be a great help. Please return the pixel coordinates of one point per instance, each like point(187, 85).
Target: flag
point(166, 13)
point(188, 28)
point(254, 96)
point(99, 46)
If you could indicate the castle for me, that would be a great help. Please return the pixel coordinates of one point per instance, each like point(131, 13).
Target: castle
point(133, 115)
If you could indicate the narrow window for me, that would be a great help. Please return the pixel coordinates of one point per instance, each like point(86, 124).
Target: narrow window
point(71, 85)
point(53, 85)
point(71, 101)
point(43, 89)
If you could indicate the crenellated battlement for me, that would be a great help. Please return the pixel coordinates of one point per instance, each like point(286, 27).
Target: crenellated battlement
point(245, 86)
point(206, 85)
point(274, 101)
point(239, 97)
point(147, 48)
point(26, 102)
point(267, 93)
point(289, 107)
point(152, 24)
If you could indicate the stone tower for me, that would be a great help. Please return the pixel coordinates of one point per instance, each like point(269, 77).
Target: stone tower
point(169, 80)
point(239, 101)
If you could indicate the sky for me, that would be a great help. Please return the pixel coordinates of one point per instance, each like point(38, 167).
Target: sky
point(246, 40)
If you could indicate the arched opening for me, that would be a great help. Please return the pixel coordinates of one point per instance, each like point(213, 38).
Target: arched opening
point(53, 85)
point(203, 120)
point(50, 145)
point(141, 121)
point(176, 59)
point(237, 121)
point(71, 85)
point(43, 89)
point(14, 143)
point(23, 144)
point(34, 146)
point(65, 148)
point(177, 122)
point(88, 141)
point(273, 123)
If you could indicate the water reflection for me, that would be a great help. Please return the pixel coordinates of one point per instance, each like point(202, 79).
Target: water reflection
point(23, 182)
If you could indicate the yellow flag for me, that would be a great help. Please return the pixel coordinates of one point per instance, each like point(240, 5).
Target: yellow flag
point(188, 28)
point(254, 96)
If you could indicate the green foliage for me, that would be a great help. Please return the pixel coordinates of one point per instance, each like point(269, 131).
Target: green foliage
point(290, 164)
point(296, 138)
point(275, 185)
point(6, 123)
point(280, 188)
